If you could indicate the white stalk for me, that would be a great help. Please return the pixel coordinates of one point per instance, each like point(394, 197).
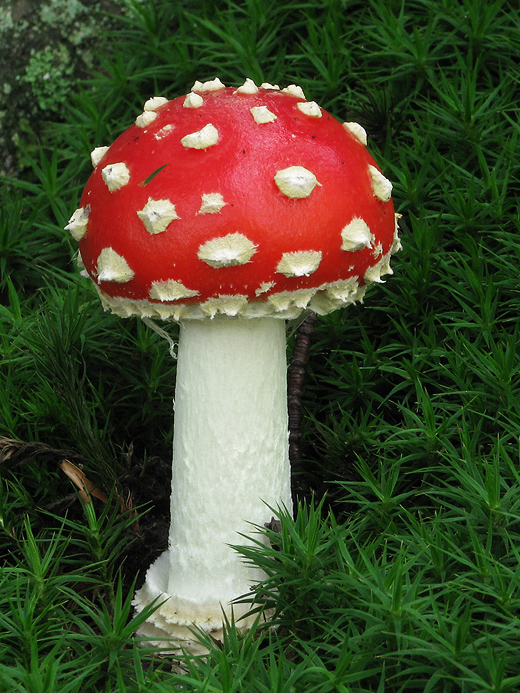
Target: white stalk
point(230, 462)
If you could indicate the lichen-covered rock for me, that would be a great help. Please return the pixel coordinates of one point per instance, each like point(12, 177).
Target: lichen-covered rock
point(45, 47)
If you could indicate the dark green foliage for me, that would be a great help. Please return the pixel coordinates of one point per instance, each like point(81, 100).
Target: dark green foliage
point(402, 573)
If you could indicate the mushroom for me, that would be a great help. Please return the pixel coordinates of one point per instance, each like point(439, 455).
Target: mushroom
point(230, 211)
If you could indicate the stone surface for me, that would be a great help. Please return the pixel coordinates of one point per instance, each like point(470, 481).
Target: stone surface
point(45, 46)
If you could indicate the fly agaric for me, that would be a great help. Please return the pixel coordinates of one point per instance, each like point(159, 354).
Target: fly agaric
point(229, 210)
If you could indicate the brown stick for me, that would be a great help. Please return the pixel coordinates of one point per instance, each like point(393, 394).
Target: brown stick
point(295, 382)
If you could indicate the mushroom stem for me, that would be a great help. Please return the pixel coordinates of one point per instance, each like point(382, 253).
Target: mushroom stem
point(230, 463)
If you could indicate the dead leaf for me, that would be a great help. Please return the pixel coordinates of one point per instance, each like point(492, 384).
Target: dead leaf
point(85, 487)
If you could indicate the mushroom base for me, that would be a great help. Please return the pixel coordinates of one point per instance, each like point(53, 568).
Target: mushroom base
point(167, 628)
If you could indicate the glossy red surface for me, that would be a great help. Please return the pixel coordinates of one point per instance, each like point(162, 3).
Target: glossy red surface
point(241, 167)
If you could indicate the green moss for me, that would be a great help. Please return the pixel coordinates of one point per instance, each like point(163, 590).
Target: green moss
point(6, 19)
point(58, 12)
point(49, 73)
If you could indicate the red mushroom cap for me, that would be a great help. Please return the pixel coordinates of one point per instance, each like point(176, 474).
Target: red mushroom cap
point(249, 201)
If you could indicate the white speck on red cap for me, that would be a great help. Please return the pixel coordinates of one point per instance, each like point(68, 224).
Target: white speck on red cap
point(396, 245)
point(97, 154)
point(294, 90)
point(227, 251)
point(249, 87)
point(116, 176)
point(309, 108)
point(210, 85)
point(165, 131)
point(154, 103)
point(264, 287)
point(211, 203)
point(156, 215)
point(193, 100)
point(78, 223)
point(296, 181)
point(202, 139)
point(145, 119)
point(374, 274)
point(300, 263)
point(356, 235)
point(380, 185)
point(358, 131)
point(262, 114)
point(170, 290)
point(112, 267)
point(266, 85)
